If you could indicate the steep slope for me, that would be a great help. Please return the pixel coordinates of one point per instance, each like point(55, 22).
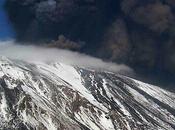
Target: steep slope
point(55, 96)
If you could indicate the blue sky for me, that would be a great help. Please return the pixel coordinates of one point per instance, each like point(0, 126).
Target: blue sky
point(5, 28)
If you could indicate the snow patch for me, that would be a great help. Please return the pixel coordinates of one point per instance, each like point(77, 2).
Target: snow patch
point(4, 106)
point(106, 123)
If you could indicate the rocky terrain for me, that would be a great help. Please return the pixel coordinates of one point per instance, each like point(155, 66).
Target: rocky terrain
point(56, 96)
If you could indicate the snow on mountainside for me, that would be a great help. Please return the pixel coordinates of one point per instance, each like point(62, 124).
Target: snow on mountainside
point(56, 96)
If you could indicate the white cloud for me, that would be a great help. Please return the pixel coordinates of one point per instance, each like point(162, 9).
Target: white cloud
point(32, 53)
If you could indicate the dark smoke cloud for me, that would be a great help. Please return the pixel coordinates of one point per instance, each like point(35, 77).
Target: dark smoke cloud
point(157, 17)
point(116, 41)
point(76, 19)
point(139, 33)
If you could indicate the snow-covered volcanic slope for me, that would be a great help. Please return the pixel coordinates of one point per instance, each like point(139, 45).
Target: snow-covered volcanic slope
point(61, 97)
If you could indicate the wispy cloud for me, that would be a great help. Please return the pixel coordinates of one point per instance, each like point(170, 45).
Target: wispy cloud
point(32, 53)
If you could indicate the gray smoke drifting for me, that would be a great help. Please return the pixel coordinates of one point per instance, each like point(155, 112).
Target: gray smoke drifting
point(42, 54)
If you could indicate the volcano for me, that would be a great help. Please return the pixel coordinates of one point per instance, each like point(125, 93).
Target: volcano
point(56, 96)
